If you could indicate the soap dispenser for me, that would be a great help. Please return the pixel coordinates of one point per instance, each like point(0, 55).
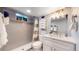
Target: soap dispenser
point(55, 28)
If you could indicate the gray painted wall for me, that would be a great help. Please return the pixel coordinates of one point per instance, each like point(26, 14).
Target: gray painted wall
point(18, 33)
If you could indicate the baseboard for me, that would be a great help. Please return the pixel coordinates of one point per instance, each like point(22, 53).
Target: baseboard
point(23, 48)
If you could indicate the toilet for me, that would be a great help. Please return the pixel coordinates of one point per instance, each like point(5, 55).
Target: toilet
point(37, 45)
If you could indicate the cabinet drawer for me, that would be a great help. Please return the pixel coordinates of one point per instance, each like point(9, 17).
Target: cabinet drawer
point(54, 48)
point(57, 45)
point(60, 43)
point(57, 48)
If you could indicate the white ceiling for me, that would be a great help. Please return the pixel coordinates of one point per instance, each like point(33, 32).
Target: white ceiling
point(36, 11)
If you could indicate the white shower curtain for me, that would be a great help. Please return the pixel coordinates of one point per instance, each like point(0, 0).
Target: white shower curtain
point(3, 33)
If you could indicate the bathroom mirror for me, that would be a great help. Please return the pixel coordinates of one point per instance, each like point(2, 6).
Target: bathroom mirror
point(58, 25)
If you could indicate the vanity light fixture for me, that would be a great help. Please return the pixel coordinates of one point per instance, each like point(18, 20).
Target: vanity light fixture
point(53, 16)
point(58, 14)
point(61, 14)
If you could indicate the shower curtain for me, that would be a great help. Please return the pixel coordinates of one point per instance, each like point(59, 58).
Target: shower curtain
point(3, 33)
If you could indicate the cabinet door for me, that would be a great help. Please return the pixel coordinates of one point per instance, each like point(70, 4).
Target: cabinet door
point(46, 48)
point(60, 45)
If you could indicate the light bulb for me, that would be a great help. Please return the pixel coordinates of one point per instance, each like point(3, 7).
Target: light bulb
point(57, 15)
point(29, 11)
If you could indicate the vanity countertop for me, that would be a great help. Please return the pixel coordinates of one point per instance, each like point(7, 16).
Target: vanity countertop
point(67, 39)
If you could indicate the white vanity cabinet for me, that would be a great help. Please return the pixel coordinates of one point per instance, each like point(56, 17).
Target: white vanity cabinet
point(52, 44)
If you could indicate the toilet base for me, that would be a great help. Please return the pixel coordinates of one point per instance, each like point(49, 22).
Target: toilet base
point(37, 45)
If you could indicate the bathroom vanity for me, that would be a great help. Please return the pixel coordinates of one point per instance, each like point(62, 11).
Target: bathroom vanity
point(57, 36)
point(57, 44)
